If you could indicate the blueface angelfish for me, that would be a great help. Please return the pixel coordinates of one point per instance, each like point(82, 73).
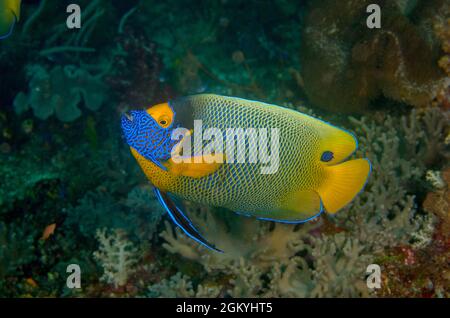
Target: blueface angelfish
point(313, 175)
point(9, 16)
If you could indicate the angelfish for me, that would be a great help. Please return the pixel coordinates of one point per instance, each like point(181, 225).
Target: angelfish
point(313, 175)
point(9, 16)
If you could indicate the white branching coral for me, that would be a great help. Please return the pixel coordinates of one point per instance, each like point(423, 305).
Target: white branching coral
point(435, 179)
point(399, 149)
point(291, 280)
point(424, 235)
point(246, 279)
point(339, 267)
point(447, 139)
point(254, 249)
point(117, 255)
point(259, 243)
point(181, 286)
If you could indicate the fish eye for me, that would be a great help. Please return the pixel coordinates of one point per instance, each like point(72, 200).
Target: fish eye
point(327, 156)
point(164, 121)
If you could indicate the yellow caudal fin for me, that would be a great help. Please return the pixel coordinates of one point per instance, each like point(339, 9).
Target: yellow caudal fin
point(342, 183)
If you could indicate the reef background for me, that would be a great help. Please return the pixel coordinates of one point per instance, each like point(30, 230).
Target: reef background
point(70, 191)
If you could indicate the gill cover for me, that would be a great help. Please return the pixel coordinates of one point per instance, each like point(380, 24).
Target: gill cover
point(144, 134)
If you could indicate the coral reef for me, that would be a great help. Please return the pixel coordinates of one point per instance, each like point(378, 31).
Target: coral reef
point(437, 202)
point(136, 76)
point(356, 66)
point(21, 174)
point(422, 270)
point(59, 91)
point(198, 47)
point(71, 192)
point(16, 249)
point(139, 213)
point(181, 286)
point(329, 257)
point(389, 207)
point(442, 30)
point(117, 256)
point(340, 267)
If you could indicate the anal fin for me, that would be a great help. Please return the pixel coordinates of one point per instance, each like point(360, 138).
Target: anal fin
point(10, 29)
point(296, 207)
point(181, 220)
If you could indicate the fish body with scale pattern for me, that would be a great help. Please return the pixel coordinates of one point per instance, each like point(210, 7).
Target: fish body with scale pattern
point(312, 174)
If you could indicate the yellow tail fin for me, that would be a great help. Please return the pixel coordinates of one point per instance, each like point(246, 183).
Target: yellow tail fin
point(343, 182)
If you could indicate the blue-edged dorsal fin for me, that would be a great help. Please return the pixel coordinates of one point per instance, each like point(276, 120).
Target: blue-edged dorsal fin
point(181, 220)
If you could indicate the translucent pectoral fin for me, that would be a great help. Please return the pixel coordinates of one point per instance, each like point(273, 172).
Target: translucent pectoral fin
point(193, 167)
point(181, 220)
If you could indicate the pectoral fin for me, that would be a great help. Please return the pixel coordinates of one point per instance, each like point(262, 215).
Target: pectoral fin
point(180, 219)
point(193, 167)
point(188, 167)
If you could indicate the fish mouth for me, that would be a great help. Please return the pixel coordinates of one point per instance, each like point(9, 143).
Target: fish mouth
point(127, 126)
point(127, 122)
point(127, 116)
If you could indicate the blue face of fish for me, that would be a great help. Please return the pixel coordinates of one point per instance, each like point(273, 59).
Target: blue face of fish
point(147, 137)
